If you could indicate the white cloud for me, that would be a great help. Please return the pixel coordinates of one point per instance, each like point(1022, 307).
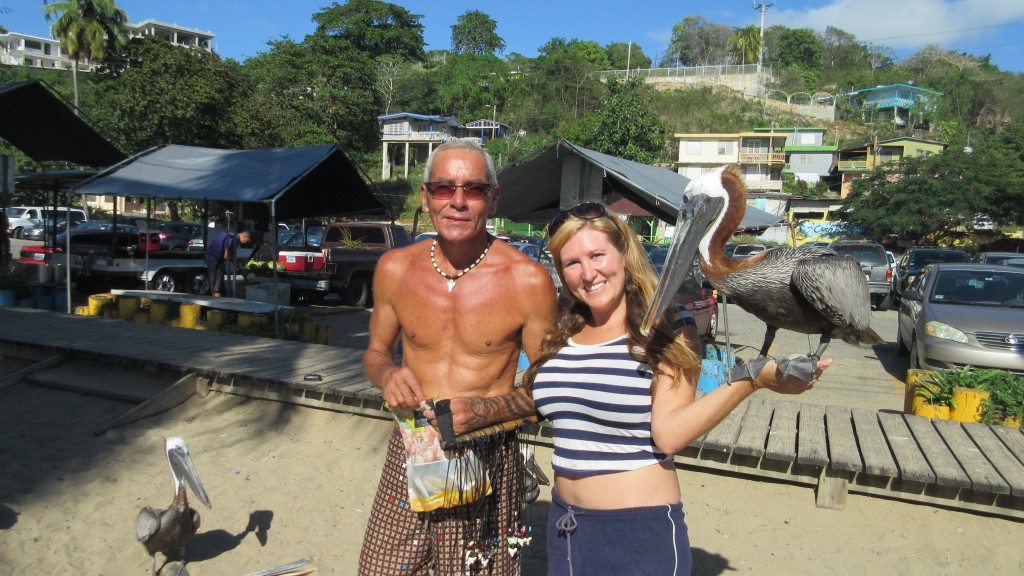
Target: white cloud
point(907, 24)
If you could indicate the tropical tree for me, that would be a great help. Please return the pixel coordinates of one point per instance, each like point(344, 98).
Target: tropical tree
point(87, 29)
point(625, 56)
point(697, 42)
point(374, 27)
point(625, 125)
point(475, 32)
point(157, 93)
point(745, 44)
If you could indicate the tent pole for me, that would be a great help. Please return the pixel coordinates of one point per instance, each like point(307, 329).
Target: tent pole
point(149, 226)
point(273, 255)
point(67, 248)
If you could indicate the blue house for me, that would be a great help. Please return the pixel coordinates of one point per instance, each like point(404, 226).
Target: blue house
point(895, 99)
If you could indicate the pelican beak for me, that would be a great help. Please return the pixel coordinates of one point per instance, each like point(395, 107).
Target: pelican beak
point(696, 214)
point(183, 469)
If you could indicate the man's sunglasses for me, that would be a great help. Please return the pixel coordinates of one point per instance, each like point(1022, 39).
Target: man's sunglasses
point(584, 211)
point(445, 190)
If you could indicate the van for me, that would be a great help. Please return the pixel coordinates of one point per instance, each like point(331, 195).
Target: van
point(21, 217)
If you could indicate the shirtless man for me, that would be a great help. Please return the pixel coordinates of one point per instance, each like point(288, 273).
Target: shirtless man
point(463, 306)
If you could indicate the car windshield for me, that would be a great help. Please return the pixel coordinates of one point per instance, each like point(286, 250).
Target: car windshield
point(658, 257)
point(744, 249)
point(921, 260)
point(979, 288)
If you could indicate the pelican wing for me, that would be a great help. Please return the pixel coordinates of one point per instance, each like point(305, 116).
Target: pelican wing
point(147, 524)
point(835, 286)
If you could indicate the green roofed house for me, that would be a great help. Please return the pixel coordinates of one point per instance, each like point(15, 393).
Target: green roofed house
point(897, 100)
point(808, 158)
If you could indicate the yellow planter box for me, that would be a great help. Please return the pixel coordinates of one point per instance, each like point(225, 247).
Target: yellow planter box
point(932, 412)
point(968, 404)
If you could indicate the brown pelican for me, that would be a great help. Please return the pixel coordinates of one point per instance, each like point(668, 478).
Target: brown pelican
point(808, 290)
point(169, 529)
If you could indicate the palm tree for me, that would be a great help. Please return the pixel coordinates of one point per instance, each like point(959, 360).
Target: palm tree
point(745, 43)
point(86, 30)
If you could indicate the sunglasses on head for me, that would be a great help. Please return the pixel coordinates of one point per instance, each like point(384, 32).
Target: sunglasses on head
point(445, 190)
point(584, 211)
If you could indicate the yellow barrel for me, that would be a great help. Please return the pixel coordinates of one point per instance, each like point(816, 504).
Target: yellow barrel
point(126, 306)
point(99, 302)
point(159, 312)
point(188, 315)
point(215, 319)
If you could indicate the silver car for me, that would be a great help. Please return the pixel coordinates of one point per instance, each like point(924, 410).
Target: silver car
point(953, 315)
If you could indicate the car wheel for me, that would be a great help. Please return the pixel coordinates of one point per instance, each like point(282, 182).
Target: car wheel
point(358, 293)
point(915, 361)
point(165, 282)
point(884, 302)
point(199, 283)
point(901, 346)
point(18, 233)
point(713, 325)
point(178, 249)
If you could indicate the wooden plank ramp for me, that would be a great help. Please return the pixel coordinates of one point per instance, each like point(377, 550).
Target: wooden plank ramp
point(833, 449)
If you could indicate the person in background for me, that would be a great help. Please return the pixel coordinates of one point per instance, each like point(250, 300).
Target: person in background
point(474, 304)
point(621, 404)
point(222, 249)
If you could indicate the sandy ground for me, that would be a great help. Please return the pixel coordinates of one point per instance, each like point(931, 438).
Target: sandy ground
point(288, 482)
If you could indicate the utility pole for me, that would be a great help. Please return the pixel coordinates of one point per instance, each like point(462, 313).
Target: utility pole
point(629, 54)
point(763, 7)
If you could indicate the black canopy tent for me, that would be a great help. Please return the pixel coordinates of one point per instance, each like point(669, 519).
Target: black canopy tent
point(270, 184)
point(40, 123)
point(562, 174)
point(286, 183)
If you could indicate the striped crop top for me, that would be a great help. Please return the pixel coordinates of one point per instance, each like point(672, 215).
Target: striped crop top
point(598, 401)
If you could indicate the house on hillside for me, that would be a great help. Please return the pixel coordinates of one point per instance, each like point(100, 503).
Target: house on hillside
point(409, 138)
point(858, 161)
point(808, 158)
point(760, 155)
point(895, 101)
point(18, 49)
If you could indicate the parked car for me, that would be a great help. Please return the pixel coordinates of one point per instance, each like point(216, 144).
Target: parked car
point(996, 257)
point(891, 258)
point(817, 244)
point(915, 259)
point(425, 236)
point(1004, 245)
point(540, 256)
point(694, 294)
point(21, 217)
point(953, 315)
point(875, 266)
point(44, 231)
point(748, 250)
point(174, 236)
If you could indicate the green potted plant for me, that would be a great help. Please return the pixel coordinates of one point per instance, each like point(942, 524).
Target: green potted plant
point(1005, 402)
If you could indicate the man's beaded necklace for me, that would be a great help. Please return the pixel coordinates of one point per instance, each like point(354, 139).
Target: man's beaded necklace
point(452, 279)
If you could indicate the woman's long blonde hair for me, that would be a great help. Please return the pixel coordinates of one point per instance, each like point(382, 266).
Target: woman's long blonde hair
point(661, 347)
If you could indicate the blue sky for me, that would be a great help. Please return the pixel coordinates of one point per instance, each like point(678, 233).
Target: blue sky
point(242, 27)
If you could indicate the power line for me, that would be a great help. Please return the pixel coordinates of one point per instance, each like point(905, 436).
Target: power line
point(921, 34)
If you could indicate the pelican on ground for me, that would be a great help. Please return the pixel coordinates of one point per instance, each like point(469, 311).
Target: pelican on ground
point(169, 529)
point(807, 290)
